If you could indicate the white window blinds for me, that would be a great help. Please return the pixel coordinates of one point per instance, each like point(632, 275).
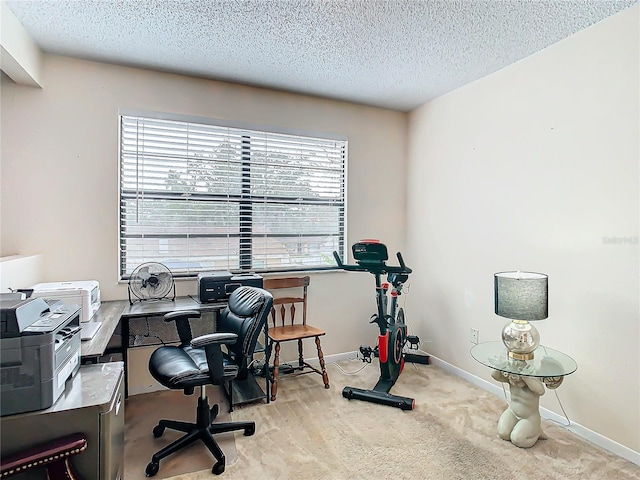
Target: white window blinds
point(200, 197)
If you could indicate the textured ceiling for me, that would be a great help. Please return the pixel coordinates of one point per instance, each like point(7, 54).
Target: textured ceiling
point(395, 54)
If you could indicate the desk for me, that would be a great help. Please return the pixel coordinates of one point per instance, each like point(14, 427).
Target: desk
point(527, 379)
point(109, 314)
point(126, 326)
point(160, 307)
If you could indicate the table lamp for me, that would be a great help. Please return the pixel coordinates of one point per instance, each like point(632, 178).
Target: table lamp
point(522, 297)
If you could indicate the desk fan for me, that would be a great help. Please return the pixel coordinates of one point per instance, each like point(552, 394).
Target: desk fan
point(151, 281)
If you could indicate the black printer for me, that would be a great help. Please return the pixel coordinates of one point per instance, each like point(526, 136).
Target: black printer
point(40, 344)
point(217, 286)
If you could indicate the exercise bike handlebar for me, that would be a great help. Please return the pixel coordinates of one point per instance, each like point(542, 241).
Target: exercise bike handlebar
point(374, 267)
point(404, 268)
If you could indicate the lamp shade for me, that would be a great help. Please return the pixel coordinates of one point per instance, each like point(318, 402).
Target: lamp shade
point(521, 295)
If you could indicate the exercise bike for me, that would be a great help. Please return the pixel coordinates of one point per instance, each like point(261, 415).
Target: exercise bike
point(371, 256)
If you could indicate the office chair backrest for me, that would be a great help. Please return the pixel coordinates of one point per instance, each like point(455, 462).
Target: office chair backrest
point(245, 315)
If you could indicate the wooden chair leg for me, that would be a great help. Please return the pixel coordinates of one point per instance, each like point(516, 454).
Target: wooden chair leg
point(274, 377)
point(300, 354)
point(325, 376)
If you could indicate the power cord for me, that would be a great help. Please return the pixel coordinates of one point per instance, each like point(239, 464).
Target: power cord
point(407, 286)
point(365, 365)
point(568, 424)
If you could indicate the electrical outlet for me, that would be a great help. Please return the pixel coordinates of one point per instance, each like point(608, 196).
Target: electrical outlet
point(474, 335)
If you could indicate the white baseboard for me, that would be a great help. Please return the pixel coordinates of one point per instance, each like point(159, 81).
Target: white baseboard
point(338, 357)
point(589, 435)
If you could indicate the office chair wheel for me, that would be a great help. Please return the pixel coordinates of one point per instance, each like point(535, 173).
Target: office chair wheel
point(218, 468)
point(153, 468)
point(157, 432)
point(249, 431)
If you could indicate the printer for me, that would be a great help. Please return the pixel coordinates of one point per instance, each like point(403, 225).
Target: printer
point(83, 293)
point(217, 286)
point(40, 344)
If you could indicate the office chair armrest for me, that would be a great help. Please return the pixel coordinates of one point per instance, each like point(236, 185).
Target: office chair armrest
point(212, 344)
point(214, 338)
point(171, 316)
point(181, 319)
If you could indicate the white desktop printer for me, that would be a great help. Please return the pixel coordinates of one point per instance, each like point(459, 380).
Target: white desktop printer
point(83, 293)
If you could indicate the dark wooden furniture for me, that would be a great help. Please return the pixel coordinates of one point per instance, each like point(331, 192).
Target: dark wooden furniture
point(290, 295)
point(53, 455)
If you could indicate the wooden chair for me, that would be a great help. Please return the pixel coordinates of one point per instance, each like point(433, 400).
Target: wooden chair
point(286, 326)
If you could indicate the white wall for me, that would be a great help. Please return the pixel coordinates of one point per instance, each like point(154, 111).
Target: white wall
point(59, 184)
point(536, 167)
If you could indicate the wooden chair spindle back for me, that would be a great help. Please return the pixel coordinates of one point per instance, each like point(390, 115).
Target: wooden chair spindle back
point(287, 301)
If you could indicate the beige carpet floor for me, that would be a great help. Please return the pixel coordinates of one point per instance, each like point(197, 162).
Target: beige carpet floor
point(142, 413)
point(311, 433)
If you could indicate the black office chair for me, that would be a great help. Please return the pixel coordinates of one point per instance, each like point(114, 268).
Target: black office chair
point(242, 352)
point(199, 362)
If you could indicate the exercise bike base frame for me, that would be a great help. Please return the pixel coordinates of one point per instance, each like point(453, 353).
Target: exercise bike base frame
point(380, 393)
point(383, 398)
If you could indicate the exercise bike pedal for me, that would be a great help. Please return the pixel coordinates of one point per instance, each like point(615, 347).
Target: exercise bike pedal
point(413, 341)
point(366, 351)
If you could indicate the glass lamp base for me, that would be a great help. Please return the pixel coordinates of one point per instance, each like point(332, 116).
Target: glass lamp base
point(521, 339)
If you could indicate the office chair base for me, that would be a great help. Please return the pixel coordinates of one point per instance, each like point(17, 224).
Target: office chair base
point(203, 429)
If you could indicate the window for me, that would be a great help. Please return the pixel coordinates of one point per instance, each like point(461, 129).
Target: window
point(197, 196)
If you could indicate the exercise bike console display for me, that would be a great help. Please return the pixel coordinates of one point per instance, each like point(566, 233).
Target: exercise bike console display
point(370, 252)
point(371, 256)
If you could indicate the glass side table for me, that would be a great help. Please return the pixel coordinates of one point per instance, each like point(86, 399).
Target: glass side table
point(520, 423)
